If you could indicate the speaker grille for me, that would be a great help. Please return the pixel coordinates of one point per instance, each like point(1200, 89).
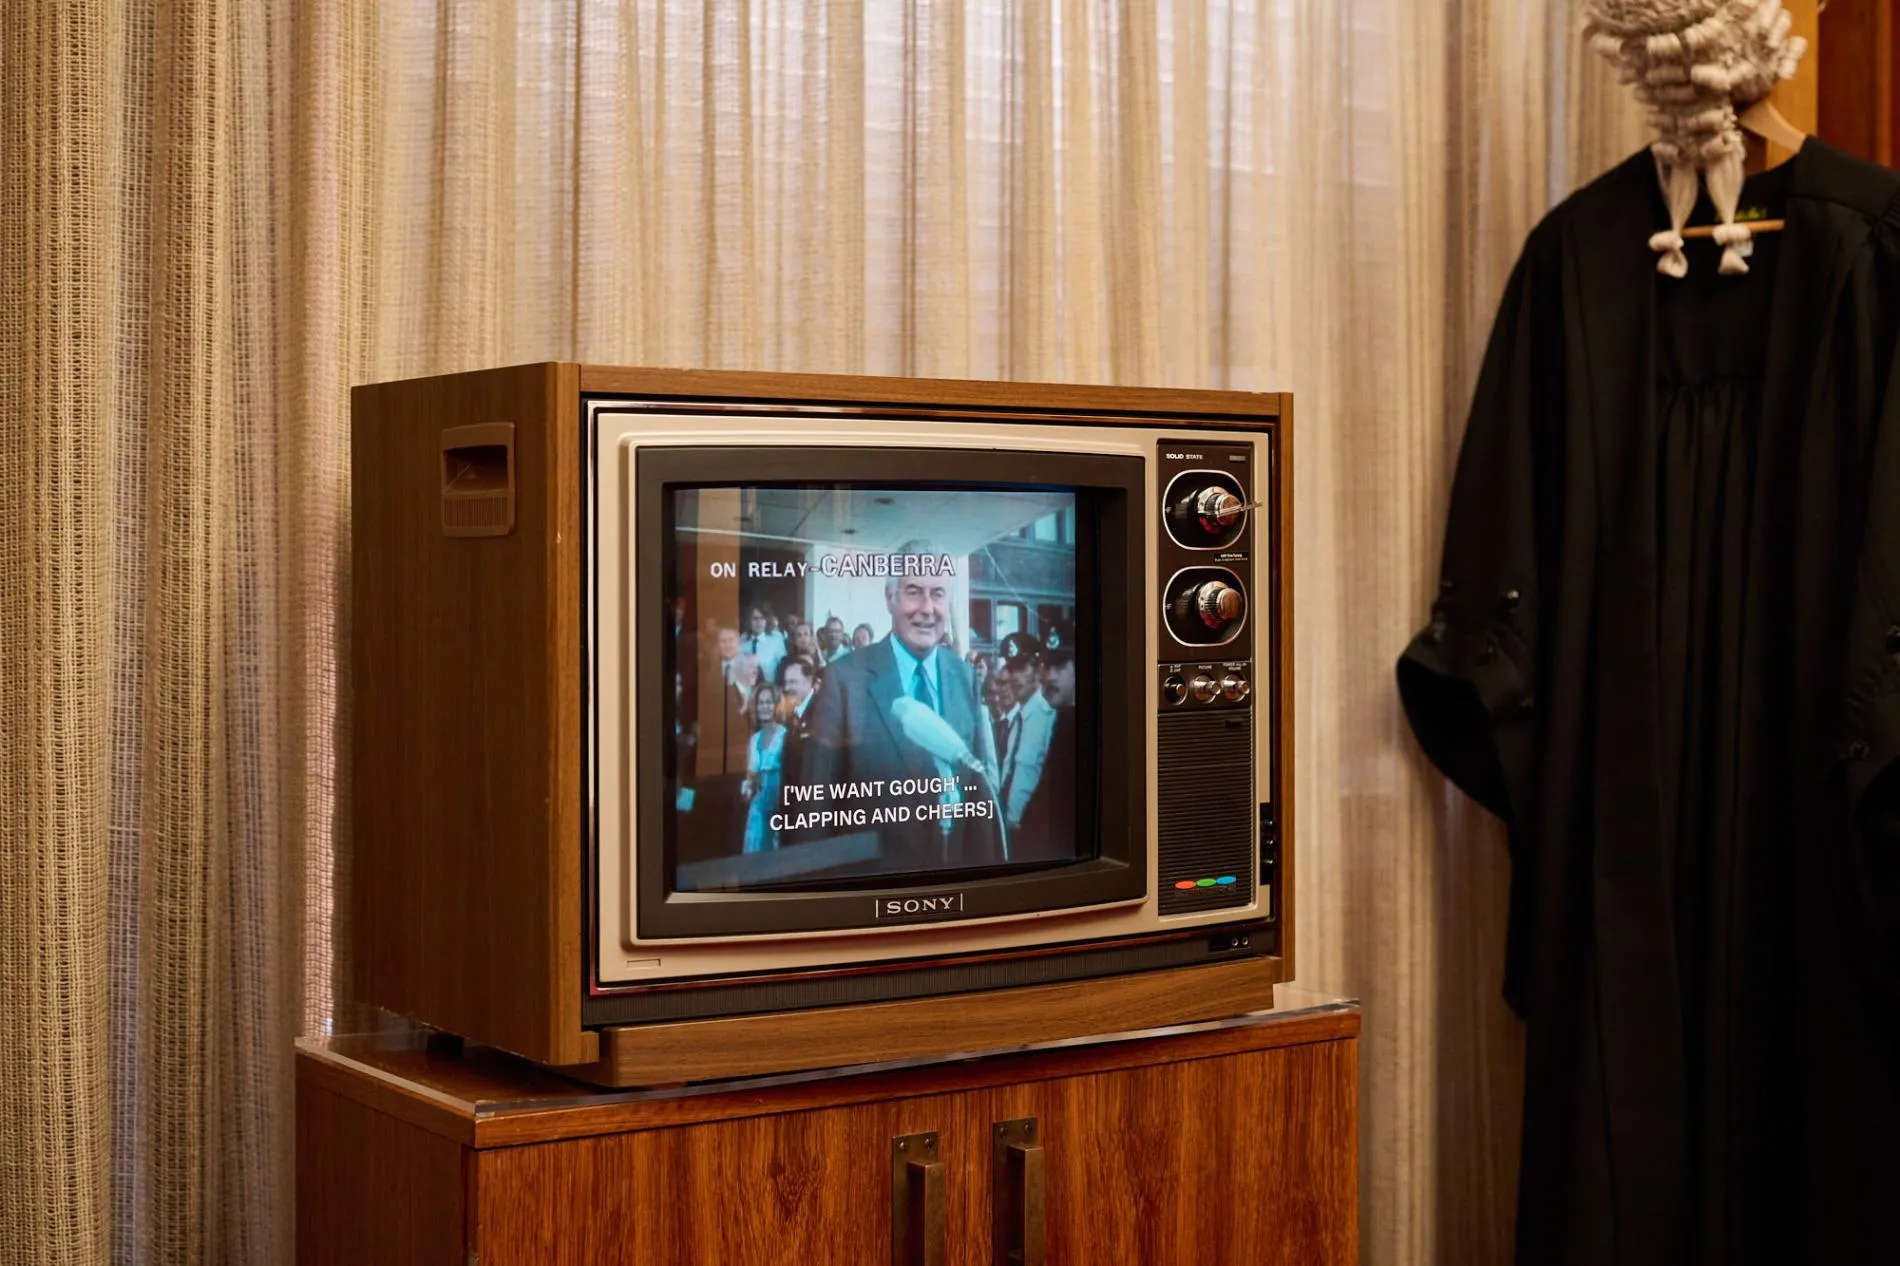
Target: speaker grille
point(1207, 812)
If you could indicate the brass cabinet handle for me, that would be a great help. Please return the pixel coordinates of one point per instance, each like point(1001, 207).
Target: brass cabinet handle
point(1025, 1212)
point(924, 1237)
point(1017, 1232)
point(919, 1188)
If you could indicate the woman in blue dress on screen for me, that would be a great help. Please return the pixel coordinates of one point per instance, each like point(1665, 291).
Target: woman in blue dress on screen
point(763, 769)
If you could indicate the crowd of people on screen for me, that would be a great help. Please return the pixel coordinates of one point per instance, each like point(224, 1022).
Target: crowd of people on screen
point(744, 698)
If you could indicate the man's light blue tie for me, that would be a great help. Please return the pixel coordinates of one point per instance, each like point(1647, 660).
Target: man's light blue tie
point(920, 691)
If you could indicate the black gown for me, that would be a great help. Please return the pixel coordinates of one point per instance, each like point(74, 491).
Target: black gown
point(1666, 651)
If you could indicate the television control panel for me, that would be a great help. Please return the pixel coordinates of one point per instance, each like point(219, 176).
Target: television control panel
point(1209, 851)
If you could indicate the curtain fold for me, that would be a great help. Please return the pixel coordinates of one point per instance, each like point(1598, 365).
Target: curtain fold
point(217, 215)
point(216, 1000)
point(58, 323)
point(333, 154)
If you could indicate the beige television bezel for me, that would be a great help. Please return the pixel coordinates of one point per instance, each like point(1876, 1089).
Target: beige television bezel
point(618, 428)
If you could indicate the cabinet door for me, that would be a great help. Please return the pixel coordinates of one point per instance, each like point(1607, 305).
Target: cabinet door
point(1248, 1159)
point(800, 1188)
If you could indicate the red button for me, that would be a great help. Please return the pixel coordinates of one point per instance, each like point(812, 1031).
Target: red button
point(1187, 883)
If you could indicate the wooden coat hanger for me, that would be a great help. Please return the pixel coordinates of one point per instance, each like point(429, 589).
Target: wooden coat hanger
point(1769, 130)
point(1764, 121)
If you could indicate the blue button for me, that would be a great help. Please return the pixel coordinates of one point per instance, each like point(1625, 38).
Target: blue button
point(1226, 879)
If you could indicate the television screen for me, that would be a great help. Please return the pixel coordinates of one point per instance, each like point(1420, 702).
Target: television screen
point(873, 682)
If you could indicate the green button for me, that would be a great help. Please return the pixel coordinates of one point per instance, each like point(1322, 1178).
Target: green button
point(1203, 883)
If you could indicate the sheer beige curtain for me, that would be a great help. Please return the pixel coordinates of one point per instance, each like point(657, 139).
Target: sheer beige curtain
point(216, 215)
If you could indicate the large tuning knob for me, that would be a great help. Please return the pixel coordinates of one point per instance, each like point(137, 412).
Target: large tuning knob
point(1205, 509)
point(1206, 606)
point(1218, 604)
point(1217, 510)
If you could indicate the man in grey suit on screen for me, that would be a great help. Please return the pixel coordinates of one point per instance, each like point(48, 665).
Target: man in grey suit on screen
point(879, 708)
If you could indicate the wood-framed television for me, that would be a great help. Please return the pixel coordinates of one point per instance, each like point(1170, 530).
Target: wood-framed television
point(705, 706)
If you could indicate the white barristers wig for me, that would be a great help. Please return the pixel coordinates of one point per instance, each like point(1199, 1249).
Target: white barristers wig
point(1692, 63)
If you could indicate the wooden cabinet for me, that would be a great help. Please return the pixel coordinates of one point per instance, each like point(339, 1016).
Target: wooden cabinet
point(802, 1187)
point(1231, 1143)
point(1243, 1158)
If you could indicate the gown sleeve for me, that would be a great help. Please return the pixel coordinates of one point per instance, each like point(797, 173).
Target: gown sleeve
point(1468, 679)
point(1869, 747)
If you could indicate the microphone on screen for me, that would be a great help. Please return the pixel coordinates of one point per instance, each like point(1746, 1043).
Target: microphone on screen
point(922, 726)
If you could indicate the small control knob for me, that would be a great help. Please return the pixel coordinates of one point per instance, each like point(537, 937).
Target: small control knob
point(1234, 687)
point(1203, 688)
point(1174, 689)
point(1219, 604)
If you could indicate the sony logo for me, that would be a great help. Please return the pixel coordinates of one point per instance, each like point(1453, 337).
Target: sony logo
point(911, 907)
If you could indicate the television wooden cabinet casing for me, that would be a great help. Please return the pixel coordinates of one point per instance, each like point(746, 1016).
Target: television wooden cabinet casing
point(468, 871)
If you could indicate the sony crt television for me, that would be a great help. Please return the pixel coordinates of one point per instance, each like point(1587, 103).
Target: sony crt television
point(726, 694)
